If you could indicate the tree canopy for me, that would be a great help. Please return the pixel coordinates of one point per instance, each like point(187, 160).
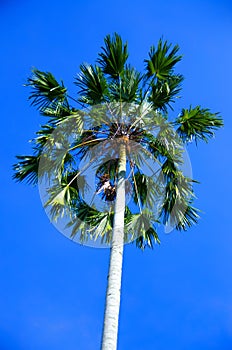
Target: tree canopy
point(116, 103)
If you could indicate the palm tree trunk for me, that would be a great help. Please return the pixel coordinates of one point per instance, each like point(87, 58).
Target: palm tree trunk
point(110, 329)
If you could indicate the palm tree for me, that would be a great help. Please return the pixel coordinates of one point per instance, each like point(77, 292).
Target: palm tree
point(120, 121)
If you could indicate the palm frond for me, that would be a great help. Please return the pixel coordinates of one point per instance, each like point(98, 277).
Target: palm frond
point(59, 112)
point(162, 60)
point(140, 188)
point(149, 238)
point(169, 169)
point(92, 84)
point(164, 91)
point(45, 135)
point(89, 223)
point(113, 56)
point(27, 169)
point(165, 145)
point(46, 91)
point(62, 197)
point(128, 90)
point(190, 217)
point(148, 191)
point(140, 227)
point(197, 124)
point(176, 209)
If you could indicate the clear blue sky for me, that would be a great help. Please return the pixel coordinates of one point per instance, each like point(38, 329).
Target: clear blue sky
point(178, 296)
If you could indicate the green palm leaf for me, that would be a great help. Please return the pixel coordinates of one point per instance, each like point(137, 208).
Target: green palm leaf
point(148, 239)
point(27, 169)
point(197, 124)
point(90, 223)
point(46, 91)
point(189, 217)
point(93, 85)
point(127, 91)
point(114, 56)
point(162, 60)
point(176, 209)
point(142, 223)
point(164, 91)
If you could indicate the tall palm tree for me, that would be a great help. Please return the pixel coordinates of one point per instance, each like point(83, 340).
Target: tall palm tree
point(119, 126)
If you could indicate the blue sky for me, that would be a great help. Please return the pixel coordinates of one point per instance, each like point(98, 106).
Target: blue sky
point(52, 292)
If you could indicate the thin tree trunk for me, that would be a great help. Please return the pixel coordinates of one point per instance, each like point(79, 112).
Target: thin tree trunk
point(110, 329)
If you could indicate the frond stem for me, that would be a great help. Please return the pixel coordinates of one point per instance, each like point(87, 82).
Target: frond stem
point(87, 142)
